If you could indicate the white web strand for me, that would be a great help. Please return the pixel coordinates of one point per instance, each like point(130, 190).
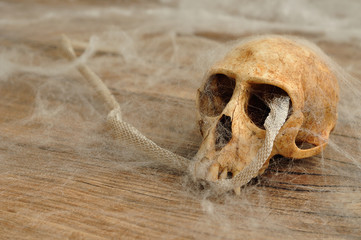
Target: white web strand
point(121, 130)
point(131, 136)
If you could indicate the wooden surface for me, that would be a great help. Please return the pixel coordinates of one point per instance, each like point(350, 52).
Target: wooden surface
point(62, 177)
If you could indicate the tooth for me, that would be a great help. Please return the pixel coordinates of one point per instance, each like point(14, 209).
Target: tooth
point(223, 174)
point(237, 191)
point(213, 172)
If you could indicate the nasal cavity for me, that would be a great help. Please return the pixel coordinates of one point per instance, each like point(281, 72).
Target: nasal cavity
point(223, 132)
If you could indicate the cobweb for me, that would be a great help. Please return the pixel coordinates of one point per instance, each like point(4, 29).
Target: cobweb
point(153, 56)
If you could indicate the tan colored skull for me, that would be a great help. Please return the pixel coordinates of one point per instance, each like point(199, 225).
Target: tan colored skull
point(232, 109)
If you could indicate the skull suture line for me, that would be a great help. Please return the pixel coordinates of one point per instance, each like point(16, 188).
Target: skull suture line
point(232, 108)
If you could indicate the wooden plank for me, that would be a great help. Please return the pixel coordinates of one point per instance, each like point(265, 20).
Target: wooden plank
point(62, 176)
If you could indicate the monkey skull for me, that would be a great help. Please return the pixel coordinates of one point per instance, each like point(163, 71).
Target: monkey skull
point(232, 105)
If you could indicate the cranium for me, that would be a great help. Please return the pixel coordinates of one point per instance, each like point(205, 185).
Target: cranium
point(232, 109)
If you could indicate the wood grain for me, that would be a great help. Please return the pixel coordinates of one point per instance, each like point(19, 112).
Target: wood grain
point(63, 178)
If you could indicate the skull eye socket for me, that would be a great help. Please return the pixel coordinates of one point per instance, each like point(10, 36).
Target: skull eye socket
point(256, 107)
point(217, 93)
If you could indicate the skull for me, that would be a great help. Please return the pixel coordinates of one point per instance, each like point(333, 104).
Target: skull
point(232, 109)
